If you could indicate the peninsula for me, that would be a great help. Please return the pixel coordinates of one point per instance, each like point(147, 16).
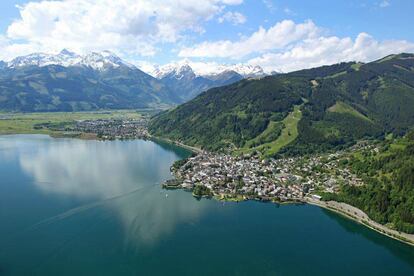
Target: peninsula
point(315, 179)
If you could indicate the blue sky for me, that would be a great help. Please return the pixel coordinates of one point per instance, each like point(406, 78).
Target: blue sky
point(275, 34)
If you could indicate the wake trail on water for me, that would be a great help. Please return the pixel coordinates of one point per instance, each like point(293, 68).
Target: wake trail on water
point(77, 210)
point(83, 208)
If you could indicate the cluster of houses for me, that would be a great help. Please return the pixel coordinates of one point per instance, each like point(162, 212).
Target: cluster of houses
point(250, 176)
point(110, 129)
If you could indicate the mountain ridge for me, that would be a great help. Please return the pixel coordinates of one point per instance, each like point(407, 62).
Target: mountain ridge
point(245, 70)
point(66, 58)
point(186, 84)
point(30, 83)
point(102, 84)
point(371, 99)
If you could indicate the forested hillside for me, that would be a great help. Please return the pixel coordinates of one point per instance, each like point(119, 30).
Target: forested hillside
point(233, 114)
point(58, 88)
point(388, 196)
point(339, 104)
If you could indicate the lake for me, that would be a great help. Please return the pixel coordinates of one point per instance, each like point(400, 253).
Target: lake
point(75, 207)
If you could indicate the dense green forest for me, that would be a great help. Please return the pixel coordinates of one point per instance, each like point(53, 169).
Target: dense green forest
point(388, 194)
point(233, 114)
point(339, 104)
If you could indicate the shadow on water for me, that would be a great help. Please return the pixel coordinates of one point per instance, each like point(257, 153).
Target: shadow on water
point(3, 270)
point(180, 151)
point(397, 248)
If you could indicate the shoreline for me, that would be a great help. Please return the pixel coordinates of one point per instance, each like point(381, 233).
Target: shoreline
point(340, 208)
point(346, 210)
point(358, 216)
point(176, 143)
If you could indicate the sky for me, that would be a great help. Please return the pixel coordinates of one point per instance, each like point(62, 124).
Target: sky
point(278, 35)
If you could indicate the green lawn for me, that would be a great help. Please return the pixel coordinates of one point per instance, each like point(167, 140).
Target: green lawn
point(22, 123)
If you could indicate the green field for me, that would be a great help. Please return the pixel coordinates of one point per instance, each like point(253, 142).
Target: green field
point(271, 133)
point(288, 134)
point(23, 123)
point(341, 107)
point(356, 66)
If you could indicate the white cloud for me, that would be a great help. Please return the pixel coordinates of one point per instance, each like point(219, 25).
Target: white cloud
point(137, 29)
point(9, 50)
point(384, 4)
point(234, 18)
point(288, 11)
point(329, 50)
point(269, 5)
point(128, 26)
point(232, 2)
point(276, 37)
point(288, 46)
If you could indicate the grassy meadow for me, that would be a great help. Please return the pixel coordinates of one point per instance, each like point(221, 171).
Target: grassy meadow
point(23, 123)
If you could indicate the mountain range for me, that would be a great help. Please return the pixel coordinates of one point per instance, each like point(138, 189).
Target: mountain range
point(299, 112)
point(186, 84)
point(71, 82)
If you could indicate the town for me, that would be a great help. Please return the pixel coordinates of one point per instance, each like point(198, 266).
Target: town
point(237, 178)
point(114, 128)
point(103, 129)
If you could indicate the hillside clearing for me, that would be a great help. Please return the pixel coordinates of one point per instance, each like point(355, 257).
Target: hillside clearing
point(288, 134)
point(341, 107)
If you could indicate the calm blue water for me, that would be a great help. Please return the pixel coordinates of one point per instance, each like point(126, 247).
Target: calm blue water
point(73, 207)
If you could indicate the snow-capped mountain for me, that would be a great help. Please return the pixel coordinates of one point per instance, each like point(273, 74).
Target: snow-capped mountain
point(80, 82)
point(103, 80)
point(183, 72)
point(65, 58)
point(186, 83)
point(188, 79)
point(206, 70)
point(178, 70)
point(247, 70)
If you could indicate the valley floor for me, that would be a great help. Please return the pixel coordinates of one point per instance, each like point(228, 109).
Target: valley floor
point(54, 123)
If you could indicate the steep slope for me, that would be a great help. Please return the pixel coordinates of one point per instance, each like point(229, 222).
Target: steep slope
point(388, 196)
point(339, 104)
point(69, 82)
point(233, 114)
point(379, 96)
point(185, 84)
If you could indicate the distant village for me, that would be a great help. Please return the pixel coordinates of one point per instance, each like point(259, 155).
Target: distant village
point(111, 129)
point(104, 129)
point(251, 177)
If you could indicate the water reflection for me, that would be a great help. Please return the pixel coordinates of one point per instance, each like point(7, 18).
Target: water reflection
point(122, 176)
point(399, 249)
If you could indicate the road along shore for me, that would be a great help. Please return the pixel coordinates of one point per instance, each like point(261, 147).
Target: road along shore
point(359, 216)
